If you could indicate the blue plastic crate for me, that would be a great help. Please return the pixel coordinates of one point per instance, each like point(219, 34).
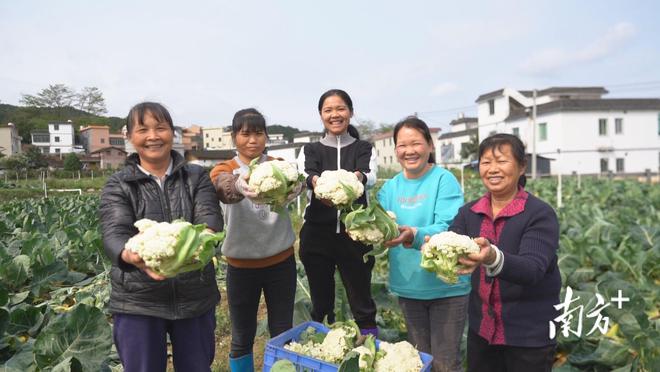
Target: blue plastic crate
point(275, 351)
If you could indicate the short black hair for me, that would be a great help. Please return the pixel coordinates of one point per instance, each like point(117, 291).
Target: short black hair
point(496, 141)
point(250, 120)
point(341, 94)
point(137, 113)
point(413, 122)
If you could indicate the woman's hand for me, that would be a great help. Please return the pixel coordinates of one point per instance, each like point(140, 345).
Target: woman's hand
point(245, 190)
point(294, 193)
point(406, 237)
point(134, 259)
point(359, 175)
point(486, 255)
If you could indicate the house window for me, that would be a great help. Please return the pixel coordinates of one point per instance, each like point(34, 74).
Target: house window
point(618, 126)
point(603, 166)
point(56, 127)
point(57, 151)
point(602, 127)
point(658, 124)
point(390, 159)
point(102, 140)
point(57, 139)
point(491, 106)
point(516, 132)
point(117, 141)
point(619, 165)
point(543, 131)
point(377, 152)
point(207, 135)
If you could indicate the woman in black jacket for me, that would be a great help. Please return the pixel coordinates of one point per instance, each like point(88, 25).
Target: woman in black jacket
point(157, 184)
point(324, 244)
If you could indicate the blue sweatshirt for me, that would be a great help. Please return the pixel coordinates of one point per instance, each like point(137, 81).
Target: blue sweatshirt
point(428, 203)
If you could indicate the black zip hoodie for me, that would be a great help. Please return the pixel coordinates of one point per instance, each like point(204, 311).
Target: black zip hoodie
point(353, 155)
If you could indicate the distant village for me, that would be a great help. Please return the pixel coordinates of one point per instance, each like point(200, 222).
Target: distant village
point(570, 130)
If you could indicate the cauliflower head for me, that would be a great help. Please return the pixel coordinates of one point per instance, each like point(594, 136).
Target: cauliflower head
point(172, 248)
point(340, 187)
point(440, 254)
point(399, 357)
point(273, 180)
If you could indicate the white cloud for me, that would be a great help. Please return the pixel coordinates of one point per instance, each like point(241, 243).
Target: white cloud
point(443, 88)
point(548, 61)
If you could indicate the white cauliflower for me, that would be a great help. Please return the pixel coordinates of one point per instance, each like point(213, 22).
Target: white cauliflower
point(340, 187)
point(172, 248)
point(273, 180)
point(367, 234)
point(263, 179)
point(333, 348)
point(440, 254)
point(399, 357)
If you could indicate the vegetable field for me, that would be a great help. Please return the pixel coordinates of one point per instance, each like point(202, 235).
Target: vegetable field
point(54, 285)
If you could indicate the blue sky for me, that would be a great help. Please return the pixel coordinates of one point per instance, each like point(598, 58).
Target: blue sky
point(207, 59)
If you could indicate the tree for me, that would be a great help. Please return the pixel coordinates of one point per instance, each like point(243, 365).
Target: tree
point(72, 163)
point(14, 162)
point(56, 96)
point(365, 127)
point(34, 159)
point(91, 100)
point(470, 149)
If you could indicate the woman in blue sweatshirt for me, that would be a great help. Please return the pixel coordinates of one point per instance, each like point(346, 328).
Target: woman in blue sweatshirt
point(425, 199)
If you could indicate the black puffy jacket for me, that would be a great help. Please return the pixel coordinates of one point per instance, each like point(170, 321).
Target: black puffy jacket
point(130, 195)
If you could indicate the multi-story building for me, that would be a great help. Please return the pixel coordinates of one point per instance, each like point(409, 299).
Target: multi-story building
point(96, 137)
point(576, 127)
point(218, 138)
point(386, 155)
point(192, 138)
point(276, 139)
point(307, 137)
point(59, 139)
point(10, 141)
point(463, 131)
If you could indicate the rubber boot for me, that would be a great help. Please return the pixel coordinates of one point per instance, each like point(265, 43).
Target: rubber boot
point(243, 363)
point(369, 331)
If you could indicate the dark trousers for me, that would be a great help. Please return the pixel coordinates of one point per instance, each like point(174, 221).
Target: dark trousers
point(482, 357)
point(244, 286)
point(436, 327)
point(321, 251)
point(141, 342)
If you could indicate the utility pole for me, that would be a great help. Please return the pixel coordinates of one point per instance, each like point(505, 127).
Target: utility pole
point(534, 135)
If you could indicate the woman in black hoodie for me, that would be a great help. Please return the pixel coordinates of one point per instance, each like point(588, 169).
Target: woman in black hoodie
point(324, 244)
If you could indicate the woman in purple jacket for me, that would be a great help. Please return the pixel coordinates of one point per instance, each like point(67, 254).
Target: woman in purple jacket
point(515, 277)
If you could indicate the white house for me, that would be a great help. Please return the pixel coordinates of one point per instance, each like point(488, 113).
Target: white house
point(576, 127)
point(218, 138)
point(287, 151)
point(385, 154)
point(462, 132)
point(276, 139)
point(59, 139)
point(307, 137)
